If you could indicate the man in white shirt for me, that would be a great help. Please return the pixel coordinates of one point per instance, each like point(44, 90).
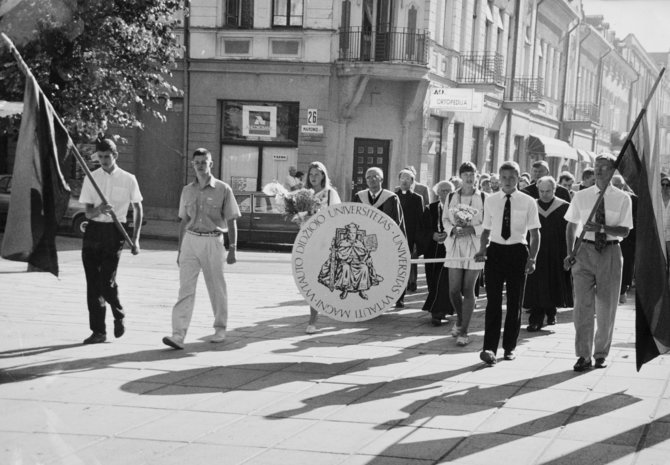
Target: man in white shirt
point(509, 216)
point(597, 264)
point(103, 242)
point(292, 182)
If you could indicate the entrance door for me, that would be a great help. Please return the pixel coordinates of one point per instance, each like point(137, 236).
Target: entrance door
point(369, 153)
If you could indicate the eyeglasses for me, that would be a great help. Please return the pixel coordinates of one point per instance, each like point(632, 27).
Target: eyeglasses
point(665, 184)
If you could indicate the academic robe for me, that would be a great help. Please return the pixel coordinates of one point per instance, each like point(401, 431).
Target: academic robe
point(387, 202)
point(561, 192)
point(437, 276)
point(550, 285)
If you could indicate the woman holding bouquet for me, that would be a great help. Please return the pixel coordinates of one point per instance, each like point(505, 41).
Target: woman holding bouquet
point(462, 218)
point(317, 180)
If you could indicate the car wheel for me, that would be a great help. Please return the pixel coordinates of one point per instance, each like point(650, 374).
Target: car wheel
point(79, 225)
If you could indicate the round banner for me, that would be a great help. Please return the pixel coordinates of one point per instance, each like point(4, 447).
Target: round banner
point(351, 261)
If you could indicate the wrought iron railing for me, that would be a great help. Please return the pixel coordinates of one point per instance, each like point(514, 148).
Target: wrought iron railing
point(394, 44)
point(481, 68)
point(581, 112)
point(524, 89)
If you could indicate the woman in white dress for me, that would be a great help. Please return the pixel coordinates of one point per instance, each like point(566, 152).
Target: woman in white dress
point(317, 179)
point(462, 220)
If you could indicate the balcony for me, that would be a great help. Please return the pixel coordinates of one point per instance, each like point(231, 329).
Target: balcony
point(581, 116)
point(523, 93)
point(483, 71)
point(396, 53)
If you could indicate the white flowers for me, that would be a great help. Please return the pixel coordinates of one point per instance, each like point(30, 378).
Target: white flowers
point(463, 214)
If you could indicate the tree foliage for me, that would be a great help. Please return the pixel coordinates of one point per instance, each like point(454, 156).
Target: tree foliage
point(98, 61)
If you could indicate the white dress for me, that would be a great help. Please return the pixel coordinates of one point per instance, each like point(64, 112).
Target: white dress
point(466, 246)
point(325, 200)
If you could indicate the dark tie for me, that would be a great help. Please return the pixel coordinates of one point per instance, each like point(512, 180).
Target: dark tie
point(601, 238)
point(439, 209)
point(507, 218)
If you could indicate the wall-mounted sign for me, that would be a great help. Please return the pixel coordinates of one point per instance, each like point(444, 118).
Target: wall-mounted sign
point(307, 129)
point(259, 121)
point(312, 116)
point(280, 157)
point(467, 100)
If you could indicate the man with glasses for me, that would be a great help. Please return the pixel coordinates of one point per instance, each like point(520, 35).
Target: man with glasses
point(206, 207)
point(103, 242)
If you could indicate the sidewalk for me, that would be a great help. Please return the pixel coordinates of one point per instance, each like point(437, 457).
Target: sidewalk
point(391, 391)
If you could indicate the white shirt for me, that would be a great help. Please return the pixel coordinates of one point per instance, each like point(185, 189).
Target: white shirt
point(119, 187)
point(618, 209)
point(291, 182)
point(523, 218)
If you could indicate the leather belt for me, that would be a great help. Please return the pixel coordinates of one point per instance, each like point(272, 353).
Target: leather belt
point(606, 242)
point(208, 234)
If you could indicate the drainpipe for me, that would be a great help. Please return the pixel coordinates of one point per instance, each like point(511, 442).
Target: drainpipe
point(515, 48)
point(187, 85)
point(599, 99)
point(566, 54)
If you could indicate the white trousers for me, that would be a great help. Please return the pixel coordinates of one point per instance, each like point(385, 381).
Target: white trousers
point(596, 280)
point(204, 253)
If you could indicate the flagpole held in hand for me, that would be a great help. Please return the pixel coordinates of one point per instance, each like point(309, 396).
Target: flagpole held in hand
point(29, 75)
point(570, 260)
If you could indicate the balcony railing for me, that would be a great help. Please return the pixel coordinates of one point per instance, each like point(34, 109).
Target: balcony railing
point(396, 45)
point(481, 68)
point(581, 112)
point(524, 89)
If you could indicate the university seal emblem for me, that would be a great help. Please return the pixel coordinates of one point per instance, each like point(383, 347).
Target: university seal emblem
point(350, 262)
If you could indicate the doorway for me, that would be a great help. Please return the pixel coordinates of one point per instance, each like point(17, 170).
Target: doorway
point(369, 153)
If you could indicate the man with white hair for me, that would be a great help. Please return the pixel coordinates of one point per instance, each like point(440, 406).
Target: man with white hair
point(539, 170)
point(596, 265)
point(549, 287)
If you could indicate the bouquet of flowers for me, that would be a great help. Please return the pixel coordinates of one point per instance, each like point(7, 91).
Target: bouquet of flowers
point(299, 205)
point(463, 214)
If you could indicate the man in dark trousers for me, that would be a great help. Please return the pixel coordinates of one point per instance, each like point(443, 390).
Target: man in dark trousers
point(383, 199)
point(103, 242)
point(509, 217)
point(412, 207)
point(540, 170)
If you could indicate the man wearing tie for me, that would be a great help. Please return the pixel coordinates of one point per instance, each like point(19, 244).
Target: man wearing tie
point(509, 217)
point(597, 264)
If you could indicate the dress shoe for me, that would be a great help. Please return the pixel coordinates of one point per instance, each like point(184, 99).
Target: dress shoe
point(509, 355)
point(582, 364)
point(95, 338)
point(411, 287)
point(218, 336)
point(400, 304)
point(462, 341)
point(600, 362)
point(119, 328)
point(311, 329)
point(173, 342)
point(488, 357)
point(533, 328)
point(551, 320)
point(436, 321)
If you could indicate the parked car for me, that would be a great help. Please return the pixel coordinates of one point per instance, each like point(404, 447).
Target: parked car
point(263, 221)
point(74, 220)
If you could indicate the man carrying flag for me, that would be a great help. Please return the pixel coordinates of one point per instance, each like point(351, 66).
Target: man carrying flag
point(103, 241)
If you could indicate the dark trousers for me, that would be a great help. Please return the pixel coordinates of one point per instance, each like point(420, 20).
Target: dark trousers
point(505, 265)
point(100, 254)
point(628, 252)
point(537, 314)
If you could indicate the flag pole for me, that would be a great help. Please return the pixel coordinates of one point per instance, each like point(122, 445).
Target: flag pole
point(629, 137)
point(29, 75)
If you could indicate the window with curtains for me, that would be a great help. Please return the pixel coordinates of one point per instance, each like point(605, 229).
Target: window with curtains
point(287, 13)
point(239, 14)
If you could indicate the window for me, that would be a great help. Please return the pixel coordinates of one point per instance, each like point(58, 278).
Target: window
point(477, 134)
point(236, 46)
point(239, 14)
point(262, 123)
point(285, 47)
point(287, 13)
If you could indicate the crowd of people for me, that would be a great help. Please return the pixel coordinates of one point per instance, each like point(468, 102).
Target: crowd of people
point(535, 242)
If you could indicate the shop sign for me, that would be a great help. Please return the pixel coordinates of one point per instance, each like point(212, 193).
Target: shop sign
point(465, 100)
point(259, 121)
point(351, 262)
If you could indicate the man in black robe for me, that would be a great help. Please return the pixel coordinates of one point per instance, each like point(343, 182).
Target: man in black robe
point(540, 169)
point(384, 200)
point(550, 286)
point(412, 207)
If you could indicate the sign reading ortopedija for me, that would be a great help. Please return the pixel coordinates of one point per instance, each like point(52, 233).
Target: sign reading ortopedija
point(351, 262)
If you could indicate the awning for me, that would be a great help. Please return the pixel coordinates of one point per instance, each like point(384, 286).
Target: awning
point(550, 147)
point(10, 108)
point(586, 156)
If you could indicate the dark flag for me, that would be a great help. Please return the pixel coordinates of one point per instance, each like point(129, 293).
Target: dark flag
point(640, 167)
point(40, 193)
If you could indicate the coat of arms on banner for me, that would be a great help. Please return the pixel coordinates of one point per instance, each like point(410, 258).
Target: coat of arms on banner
point(351, 262)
